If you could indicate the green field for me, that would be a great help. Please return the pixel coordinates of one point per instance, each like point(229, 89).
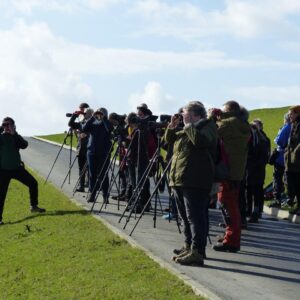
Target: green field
point(65, 253)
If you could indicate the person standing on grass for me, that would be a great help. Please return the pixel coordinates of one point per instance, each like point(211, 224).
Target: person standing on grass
point(11, 166)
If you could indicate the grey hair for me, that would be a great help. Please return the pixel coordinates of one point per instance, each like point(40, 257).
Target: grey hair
point(286, 117)
point(197, 108)
point(88, 112)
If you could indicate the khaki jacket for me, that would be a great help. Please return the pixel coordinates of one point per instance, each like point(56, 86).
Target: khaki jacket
point(193, 155)
point(235, 134)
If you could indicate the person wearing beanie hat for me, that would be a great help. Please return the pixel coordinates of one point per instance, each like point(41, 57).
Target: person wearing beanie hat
point(292, 159)
point(11, 166)
point(99, 130)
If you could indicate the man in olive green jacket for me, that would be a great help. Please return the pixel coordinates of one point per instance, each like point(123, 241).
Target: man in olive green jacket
point(235, 133)
point(191, 177)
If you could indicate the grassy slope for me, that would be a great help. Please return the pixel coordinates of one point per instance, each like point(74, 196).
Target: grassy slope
point(67, 254)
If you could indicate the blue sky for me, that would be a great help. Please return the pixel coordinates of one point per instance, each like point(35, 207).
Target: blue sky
point(119, 53)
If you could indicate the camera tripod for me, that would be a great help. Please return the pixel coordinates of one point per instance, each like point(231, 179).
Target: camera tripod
point(104, 170)
point(134, 200)
point(68, 134)
point(112, 167)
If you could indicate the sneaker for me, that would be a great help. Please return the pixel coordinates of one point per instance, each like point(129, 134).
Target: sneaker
point(80, 190)
point(193, 257)
point(1, 223)
point(224, 247)
point(37, 209)
point(168, 216)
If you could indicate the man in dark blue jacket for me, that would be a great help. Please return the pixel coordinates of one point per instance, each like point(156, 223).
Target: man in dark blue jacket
point(11, 166)
point(98, 151)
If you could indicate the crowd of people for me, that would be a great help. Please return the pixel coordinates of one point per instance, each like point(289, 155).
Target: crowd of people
point(216, 150)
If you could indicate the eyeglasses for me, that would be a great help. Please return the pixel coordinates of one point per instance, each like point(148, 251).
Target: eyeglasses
point(5, 124)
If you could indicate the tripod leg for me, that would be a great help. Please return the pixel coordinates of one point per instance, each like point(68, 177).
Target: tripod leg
point(69, 171)
point(56, 158)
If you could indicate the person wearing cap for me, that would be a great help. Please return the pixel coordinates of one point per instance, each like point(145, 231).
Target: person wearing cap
point(292, 159)
point(83, 114)
point(98, 150)
point(11, 166)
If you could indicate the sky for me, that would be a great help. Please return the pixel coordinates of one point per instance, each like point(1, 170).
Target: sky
point(55, 54)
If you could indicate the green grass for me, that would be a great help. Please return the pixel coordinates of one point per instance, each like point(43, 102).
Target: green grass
point(60, 137)
point(67, 254)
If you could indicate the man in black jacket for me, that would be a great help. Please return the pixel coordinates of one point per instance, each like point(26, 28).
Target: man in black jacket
point(11, 166)
point(82, 140)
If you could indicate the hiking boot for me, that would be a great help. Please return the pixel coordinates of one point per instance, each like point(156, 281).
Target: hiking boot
point(37, 209)
point(193, 257)
point(224, 247)
point(185, 249)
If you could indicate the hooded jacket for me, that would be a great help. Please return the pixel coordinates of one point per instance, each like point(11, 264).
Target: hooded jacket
point(235, 134)
point(193, 155)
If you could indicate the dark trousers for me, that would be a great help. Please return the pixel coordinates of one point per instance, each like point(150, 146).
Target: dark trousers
point(82, 168)
point(293, 181)
point(98, 174)
point(24, 177)
point(255, 193)
point(192, 204)
point(145, 187)
point(278, 186)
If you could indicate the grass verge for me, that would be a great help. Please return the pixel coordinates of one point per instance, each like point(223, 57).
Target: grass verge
point(67, 254)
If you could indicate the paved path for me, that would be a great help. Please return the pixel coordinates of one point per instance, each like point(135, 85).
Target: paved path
point(267, 267)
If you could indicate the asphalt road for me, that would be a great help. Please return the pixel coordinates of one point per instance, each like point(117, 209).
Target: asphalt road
point(267, 267)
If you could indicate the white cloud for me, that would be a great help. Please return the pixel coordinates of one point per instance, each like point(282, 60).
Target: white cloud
point(156, 98)
point(239, 18)
point(268, 96)
point(41, 75)
point(32, 89)
point(66, 6)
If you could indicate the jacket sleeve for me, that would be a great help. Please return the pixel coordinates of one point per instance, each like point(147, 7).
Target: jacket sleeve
point(170, 136)
point(199, 138)
point(283, 136)
point(87, 127)
point(20, 142)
